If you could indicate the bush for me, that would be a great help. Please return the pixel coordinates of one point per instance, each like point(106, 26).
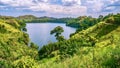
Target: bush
point(113, 19)
point(25, 62)
point(2, 29)
point(24, 29)
point(110, 20)
point(4, 64)
point(32, 45)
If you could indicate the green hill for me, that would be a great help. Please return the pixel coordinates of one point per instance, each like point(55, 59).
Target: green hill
point(95, 47)
point(44, 19)
point(14, 44)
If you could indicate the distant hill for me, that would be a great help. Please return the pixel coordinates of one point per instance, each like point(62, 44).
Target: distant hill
point(34, 19)
point(27, 17)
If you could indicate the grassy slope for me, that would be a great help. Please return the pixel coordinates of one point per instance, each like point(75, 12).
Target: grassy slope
point(105, 53)
point(13, 46)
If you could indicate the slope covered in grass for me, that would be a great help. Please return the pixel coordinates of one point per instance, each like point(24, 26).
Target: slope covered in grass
point(14, 44)
point(95, 47)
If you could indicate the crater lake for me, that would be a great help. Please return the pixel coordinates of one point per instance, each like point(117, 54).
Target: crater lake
point(39, 33)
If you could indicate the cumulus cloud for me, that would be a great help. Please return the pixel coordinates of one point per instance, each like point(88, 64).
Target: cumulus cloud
point(63, 7)
point(58, 9)
point(99, 5)
point(42, 5)
point(71, 2)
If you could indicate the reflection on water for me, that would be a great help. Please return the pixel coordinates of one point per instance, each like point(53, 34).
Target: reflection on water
point(40, 32)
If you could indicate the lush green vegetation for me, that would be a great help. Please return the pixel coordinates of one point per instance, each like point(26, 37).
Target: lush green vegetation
point(57, 31)
point(82, 22)
point(33, 19)
point(14, 49)
point(93, 46)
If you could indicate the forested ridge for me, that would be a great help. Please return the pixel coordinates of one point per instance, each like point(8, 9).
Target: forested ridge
point(96, 44)
point(44, 19)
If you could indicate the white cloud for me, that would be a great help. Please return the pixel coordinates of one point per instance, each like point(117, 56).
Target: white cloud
point(58, 9)
point(97, 5)
point(15, 3)
point(94, 5)
point(71, 2)
point(110, 8)
point(47, 7)
point(113, 1)
point(65, 7)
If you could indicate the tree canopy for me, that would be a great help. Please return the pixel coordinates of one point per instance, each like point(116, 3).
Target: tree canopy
point(58, 31)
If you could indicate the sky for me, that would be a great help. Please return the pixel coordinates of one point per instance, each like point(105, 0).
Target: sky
point(59, 8)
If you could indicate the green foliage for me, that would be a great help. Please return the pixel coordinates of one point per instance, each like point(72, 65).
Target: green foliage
point(4, 64)
point(32, 45)
point(113, 19)
point(66, 48)
point(96, 47)
point(33, 19)
point(26, 38)
point(24, 29)
point(73, 22)
point(2, 28)
point(57, 31)
point(82, 22)
point(103, 30)
point(25, 62)
point(13, 43)
point(110, 20)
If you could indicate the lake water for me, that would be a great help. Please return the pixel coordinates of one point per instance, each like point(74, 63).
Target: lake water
point(39, 33)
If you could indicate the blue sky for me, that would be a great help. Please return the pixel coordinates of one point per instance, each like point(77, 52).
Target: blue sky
point(59, 8)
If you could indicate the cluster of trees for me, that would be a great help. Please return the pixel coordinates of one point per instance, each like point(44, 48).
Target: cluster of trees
point(18, 24)
point(65, 48)
point(57, 31)
point(82, 22)
point(113, 19)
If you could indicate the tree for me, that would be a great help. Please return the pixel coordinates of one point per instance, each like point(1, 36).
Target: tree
point(24, 29)
point(58, 31)
point(100, 18)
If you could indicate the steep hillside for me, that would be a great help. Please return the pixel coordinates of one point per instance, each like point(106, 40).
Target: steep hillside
point(14, 45)
point(96, 47)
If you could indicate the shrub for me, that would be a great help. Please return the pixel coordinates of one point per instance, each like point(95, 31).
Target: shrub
point(32, 45)
point(25, 62)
